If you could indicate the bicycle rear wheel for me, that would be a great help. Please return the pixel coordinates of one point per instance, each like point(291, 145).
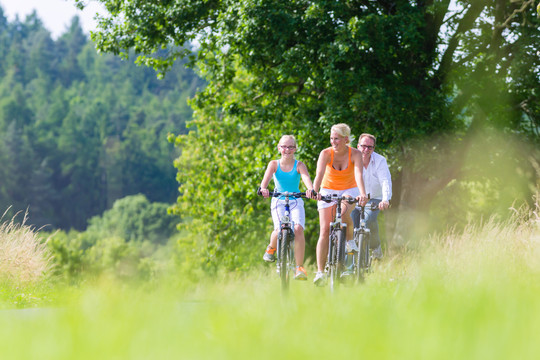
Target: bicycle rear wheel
point(284, 272)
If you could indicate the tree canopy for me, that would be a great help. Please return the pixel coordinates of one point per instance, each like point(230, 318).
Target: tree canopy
point(427, 77)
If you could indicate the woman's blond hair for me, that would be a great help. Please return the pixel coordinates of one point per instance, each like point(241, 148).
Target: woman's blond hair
point(343, 130)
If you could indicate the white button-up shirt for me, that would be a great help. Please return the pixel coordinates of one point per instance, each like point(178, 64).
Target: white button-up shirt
point(377, 178)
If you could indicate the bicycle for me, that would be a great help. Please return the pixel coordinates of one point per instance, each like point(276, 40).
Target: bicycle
point(285, 263)
point(335, 264)
point(361, 261)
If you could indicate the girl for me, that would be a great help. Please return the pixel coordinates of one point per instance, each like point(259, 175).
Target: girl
point(286, 173)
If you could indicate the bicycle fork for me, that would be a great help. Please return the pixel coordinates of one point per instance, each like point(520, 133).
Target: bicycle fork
point(333, 241)
point(281, 242)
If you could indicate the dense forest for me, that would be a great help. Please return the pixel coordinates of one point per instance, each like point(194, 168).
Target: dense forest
point(79, 129)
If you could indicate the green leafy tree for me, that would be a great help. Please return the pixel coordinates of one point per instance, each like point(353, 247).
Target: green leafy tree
point(127, 240)
point(407, 71)
point(136, 219)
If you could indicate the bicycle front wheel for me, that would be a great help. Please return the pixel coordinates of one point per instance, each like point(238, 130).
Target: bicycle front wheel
point(336, 257)
point(340, 260)
point(331, 263)
point(361, 258)
point(284, 259)
point(364, 254)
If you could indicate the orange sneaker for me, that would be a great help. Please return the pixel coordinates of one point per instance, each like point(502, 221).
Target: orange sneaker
point(269, 254)
point(301, 273)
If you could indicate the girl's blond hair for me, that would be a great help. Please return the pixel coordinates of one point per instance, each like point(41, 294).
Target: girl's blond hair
point(287, 137)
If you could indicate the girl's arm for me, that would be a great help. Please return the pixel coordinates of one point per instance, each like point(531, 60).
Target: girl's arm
point(270, 171)
point(303, 171)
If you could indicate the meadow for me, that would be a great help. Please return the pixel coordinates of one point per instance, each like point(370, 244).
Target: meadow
point(459, 295)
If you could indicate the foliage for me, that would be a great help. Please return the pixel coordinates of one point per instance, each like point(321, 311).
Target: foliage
point(134, 218)
point(79, 130)
point(128, 241)
point(495, 178)
point(78, 258)
point(67, 254)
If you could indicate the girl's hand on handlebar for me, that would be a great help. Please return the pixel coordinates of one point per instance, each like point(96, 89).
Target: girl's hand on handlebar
point(265, 193)
point(311, 194)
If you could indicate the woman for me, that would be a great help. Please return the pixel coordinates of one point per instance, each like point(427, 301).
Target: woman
point(339, 171)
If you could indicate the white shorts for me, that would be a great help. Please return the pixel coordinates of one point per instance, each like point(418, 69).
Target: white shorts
point(352, 192)
point(296, 207)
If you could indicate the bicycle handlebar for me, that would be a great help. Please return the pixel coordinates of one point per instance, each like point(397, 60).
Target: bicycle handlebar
point(285, 193)
point(334, 197)
point(370, 206)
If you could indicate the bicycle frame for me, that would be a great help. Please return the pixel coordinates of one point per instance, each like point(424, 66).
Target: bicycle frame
point(286, 229)
point(286, 262)
point(362, 236)
point(336, 241)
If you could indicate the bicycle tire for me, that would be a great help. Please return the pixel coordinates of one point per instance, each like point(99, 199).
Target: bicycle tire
point(340, 258)
point(337, 242)
point(361, 258)
point(332, 273)
point(291, 257)
point(367, 263)
point(284, 272)
point(364, 254)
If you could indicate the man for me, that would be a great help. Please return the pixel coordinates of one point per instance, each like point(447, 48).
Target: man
point(378, 184)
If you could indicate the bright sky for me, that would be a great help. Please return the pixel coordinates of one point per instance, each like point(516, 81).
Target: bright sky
point(56, 15)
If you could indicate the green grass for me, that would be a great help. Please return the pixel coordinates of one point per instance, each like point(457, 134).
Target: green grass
point(472, 296)
point(482, 319)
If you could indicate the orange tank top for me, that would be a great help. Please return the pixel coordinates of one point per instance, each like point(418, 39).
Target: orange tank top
point(339, 179)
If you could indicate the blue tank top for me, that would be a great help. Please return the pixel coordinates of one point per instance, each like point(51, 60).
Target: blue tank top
point(287, 181)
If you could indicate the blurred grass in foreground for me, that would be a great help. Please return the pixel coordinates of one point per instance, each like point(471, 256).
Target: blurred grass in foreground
point(457, 296)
